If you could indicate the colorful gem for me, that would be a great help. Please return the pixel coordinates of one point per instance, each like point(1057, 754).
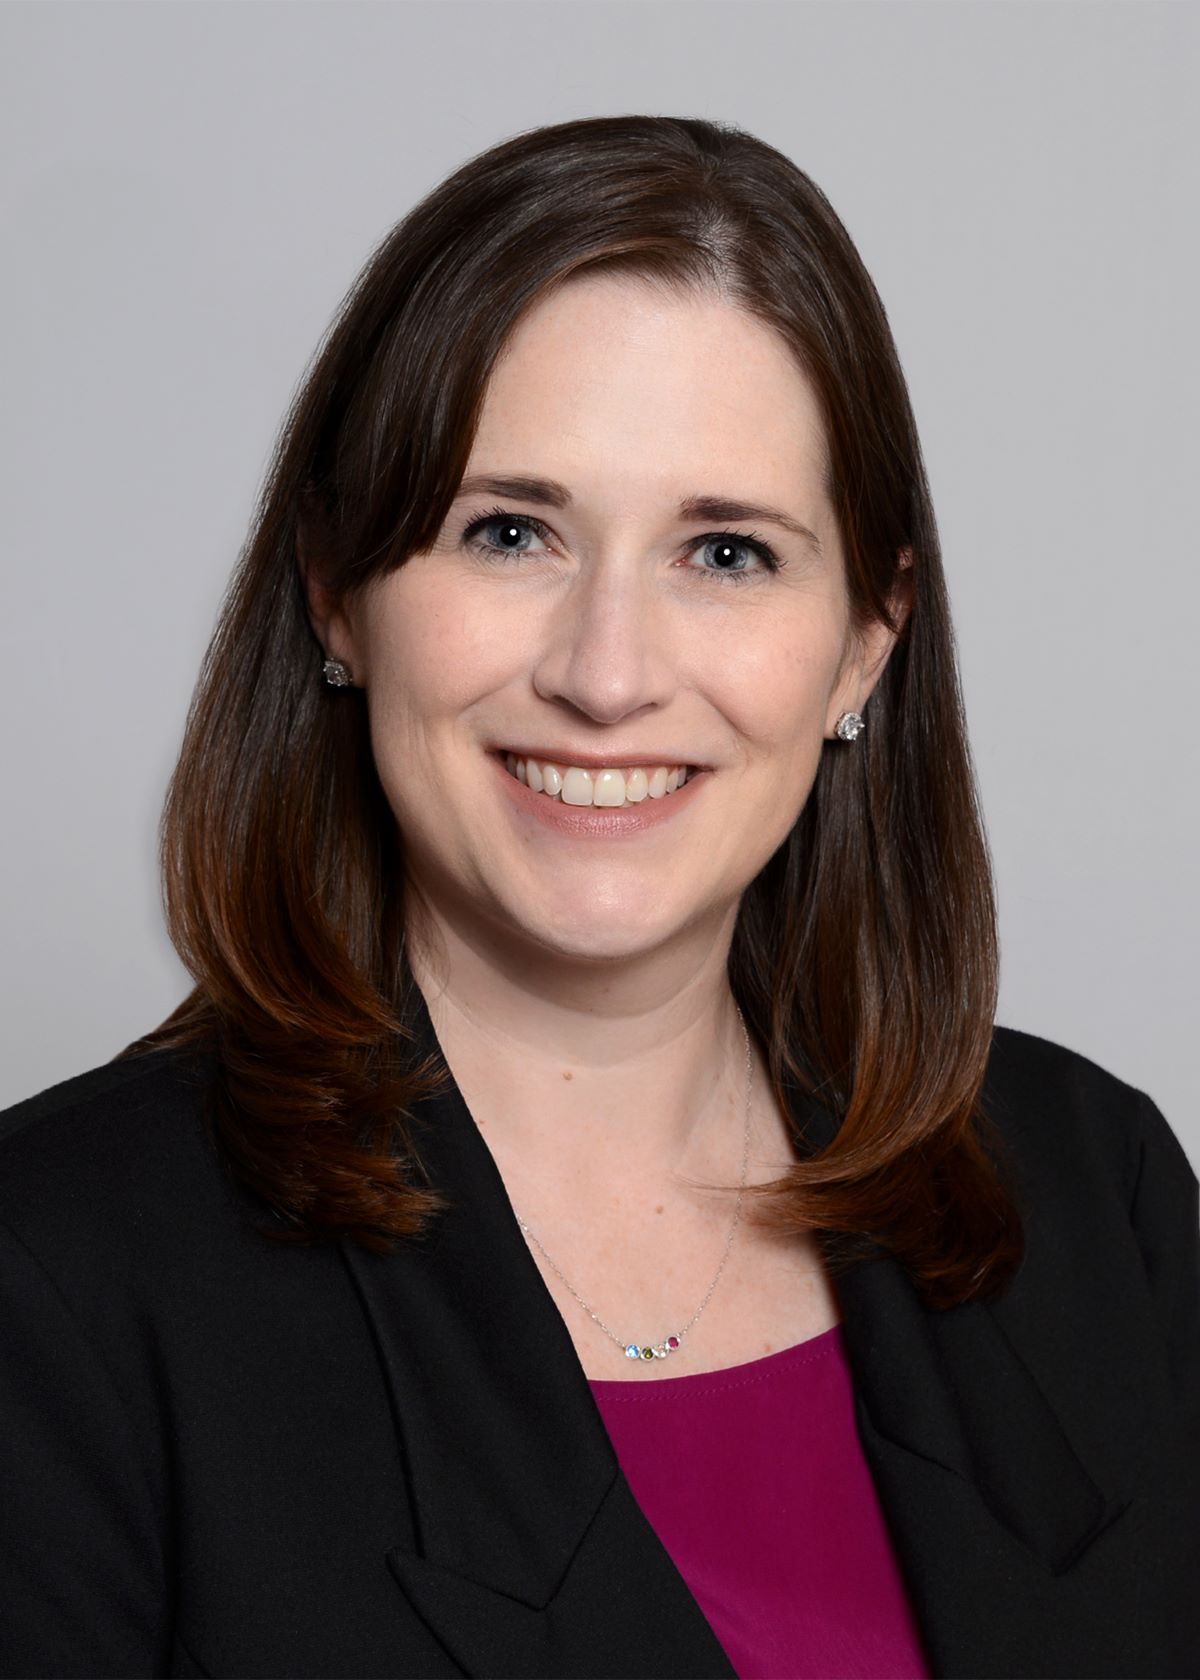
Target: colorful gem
point(647, 1353)
point(672, 1342)
point(633, 1351)
point(660, 1351)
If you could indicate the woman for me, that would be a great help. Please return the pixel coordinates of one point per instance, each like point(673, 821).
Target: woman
point(584, 1220)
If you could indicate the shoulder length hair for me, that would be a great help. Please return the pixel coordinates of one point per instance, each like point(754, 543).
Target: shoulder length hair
point(865, 952)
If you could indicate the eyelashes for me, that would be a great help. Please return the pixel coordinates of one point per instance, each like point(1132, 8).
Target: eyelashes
point(756, 545)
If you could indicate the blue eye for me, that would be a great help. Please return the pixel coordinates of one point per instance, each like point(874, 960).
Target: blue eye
point(517, 525)
point(732, 540)
point(510, 525)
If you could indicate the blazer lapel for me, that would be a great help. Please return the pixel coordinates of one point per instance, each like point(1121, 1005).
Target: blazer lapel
point(530, 1555)
point(987, 1498)
point(950, 1388)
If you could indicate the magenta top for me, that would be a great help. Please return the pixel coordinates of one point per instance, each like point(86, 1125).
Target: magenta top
point(754, 1480)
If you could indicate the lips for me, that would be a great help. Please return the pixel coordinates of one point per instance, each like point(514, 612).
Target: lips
point(647, 803)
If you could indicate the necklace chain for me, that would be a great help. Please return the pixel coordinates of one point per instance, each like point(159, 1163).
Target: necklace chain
point(660, 1350)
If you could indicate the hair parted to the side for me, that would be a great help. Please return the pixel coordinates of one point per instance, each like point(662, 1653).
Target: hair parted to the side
point(865, 953)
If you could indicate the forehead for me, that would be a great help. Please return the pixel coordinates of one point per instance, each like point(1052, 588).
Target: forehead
point(614, 384)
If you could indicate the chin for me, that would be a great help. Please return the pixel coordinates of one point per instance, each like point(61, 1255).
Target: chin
point(576, 922)
point(586, 923)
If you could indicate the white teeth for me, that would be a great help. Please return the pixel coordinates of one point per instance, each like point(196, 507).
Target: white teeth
point(576, 786)
point(608, 787)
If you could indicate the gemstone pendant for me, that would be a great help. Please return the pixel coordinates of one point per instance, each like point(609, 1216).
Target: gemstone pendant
point(652, 1351)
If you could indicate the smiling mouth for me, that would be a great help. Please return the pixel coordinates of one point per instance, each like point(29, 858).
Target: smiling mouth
point(612, 788)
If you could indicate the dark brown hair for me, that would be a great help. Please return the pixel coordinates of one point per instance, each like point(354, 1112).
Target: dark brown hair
point(865, 952)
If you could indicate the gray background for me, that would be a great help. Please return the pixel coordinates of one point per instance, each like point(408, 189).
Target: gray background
point(187, 190)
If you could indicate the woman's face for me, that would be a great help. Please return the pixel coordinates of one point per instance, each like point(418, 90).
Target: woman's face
point(604, 621)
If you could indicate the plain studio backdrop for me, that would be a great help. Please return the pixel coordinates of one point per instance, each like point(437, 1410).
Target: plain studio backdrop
point(188, 190)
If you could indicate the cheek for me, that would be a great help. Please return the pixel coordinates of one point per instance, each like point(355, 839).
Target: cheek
point(775, 688)
point(430, 653)
point(781, 715)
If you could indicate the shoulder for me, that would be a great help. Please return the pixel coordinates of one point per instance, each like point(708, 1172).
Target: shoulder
point(1111, 1208)
point(1070, 1122)
point(117, 1105)
point(113, 1089)
point(1035, 1067)
point(121, 1148)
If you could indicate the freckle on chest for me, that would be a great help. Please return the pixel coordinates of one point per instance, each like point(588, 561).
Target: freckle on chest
point(568, 1075)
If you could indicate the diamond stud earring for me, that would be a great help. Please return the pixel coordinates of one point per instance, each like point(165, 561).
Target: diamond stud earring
point(337, 675)
point(849, 726)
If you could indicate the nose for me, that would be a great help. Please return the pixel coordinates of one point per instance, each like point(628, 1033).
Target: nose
point(611, 645)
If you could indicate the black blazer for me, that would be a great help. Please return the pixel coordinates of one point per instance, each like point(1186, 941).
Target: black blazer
point(225, 1458)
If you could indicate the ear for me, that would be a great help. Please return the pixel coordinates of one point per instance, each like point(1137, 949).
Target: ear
point(330, 621)
point(870, 649)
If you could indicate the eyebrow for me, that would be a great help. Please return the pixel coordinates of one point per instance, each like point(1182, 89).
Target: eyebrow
point(547, 492)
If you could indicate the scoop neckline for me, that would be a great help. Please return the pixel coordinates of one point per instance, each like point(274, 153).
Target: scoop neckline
point(765, 1365)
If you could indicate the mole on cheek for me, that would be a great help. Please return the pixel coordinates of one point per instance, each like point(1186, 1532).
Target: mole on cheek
point(568, 1076)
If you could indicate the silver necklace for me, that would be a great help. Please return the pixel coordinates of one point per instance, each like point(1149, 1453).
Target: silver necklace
point(660, 1350)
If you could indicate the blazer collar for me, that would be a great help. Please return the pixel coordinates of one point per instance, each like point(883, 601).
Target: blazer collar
point(514, 1484)
point(492, 1403)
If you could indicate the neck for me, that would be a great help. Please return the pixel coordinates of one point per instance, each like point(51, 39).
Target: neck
point(599, 1082)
